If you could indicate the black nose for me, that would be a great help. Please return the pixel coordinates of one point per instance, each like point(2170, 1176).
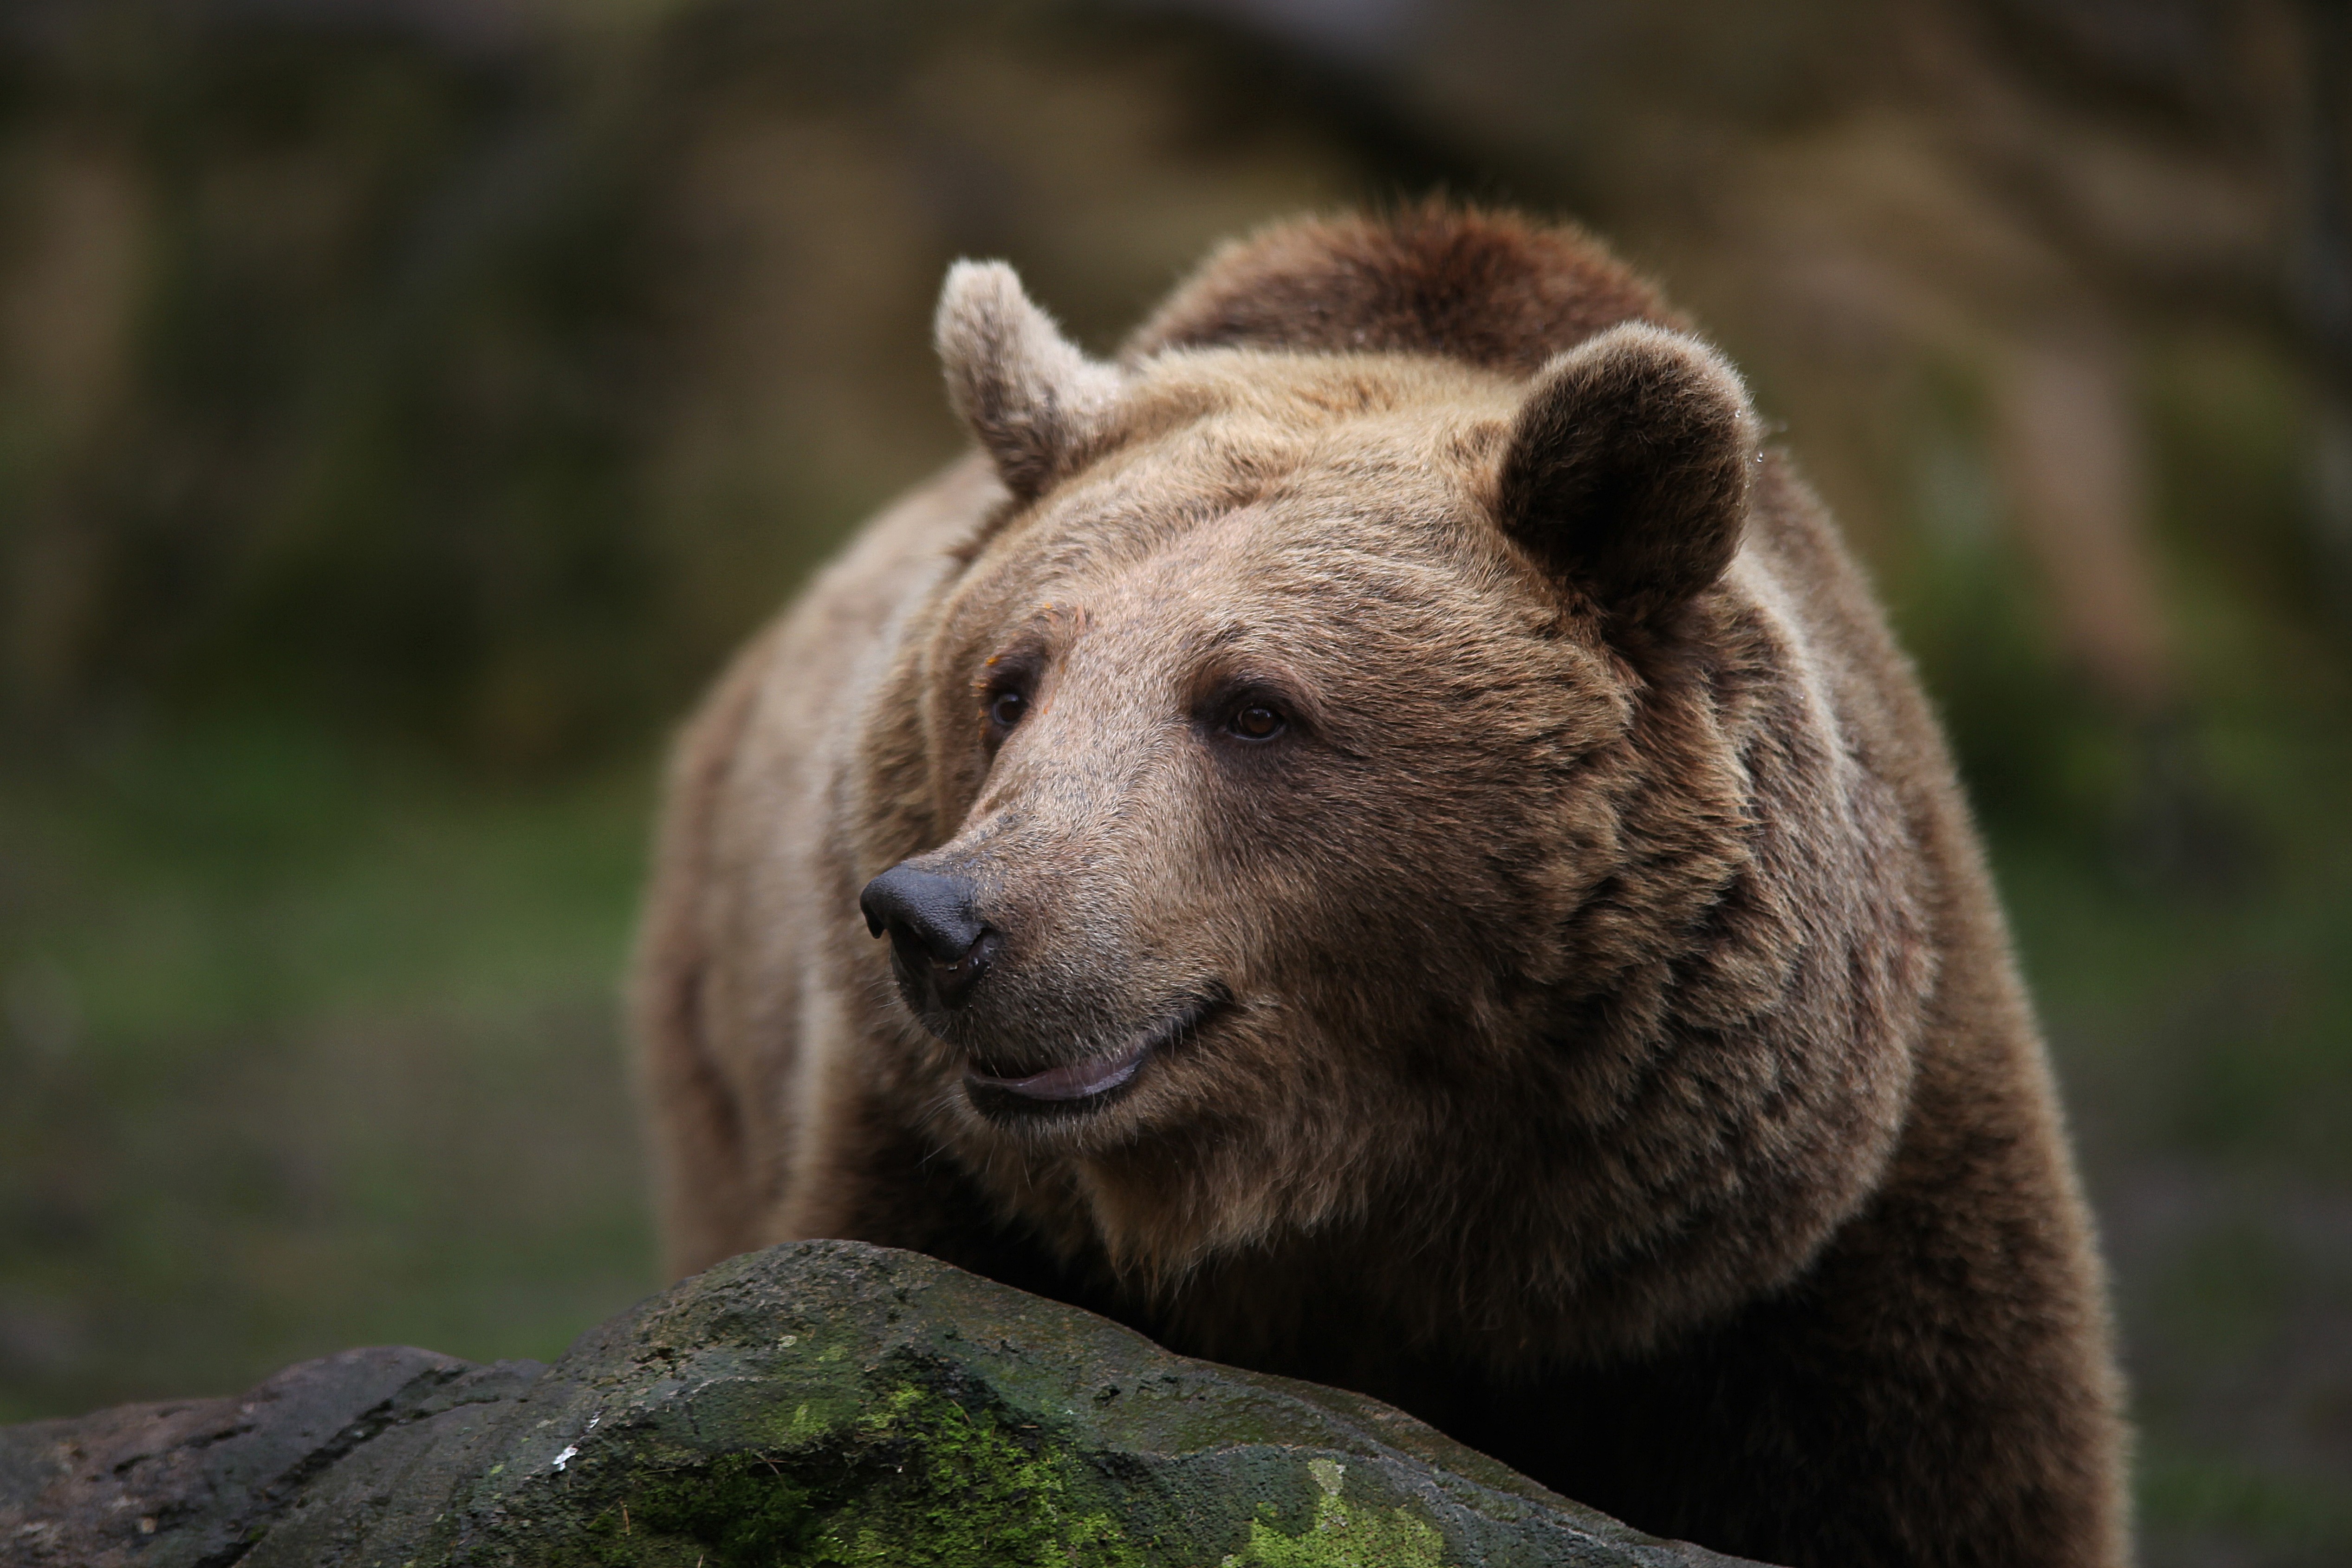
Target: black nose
point(933, 922)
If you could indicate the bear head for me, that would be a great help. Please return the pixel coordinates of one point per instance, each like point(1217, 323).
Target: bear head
point(1325, 768)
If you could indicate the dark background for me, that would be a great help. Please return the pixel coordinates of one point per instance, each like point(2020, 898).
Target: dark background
point(405, 405)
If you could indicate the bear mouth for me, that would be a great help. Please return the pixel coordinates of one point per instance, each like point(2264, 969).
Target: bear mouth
point(1091, 1083)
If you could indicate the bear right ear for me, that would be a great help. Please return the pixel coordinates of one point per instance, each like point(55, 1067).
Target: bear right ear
point(1628, 466)
point(1032, 398)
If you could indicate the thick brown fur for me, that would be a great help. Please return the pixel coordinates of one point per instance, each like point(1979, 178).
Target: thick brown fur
point(1586, 1023)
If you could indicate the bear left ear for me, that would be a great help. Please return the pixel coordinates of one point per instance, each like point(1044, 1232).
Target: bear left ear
point(1031, 396)
point(1628, 468)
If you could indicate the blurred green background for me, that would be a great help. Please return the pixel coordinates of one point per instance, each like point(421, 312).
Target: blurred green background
point(405, 403)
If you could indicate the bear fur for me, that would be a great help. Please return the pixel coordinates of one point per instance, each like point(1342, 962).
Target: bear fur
point(1442, 787)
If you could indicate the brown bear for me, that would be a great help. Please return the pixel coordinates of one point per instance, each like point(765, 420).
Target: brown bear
point(1406, 856)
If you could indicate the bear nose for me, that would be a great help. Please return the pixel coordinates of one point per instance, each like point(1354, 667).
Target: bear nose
point(932, 924)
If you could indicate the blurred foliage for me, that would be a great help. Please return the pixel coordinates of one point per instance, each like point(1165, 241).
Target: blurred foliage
point(489, 389)
point(405, 405)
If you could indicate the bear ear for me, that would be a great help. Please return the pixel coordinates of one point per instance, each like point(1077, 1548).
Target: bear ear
point(1032, 398)
point(1627, 469)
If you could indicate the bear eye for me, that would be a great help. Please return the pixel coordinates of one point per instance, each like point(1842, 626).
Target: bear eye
point(1007, 708)
point(1256, 722)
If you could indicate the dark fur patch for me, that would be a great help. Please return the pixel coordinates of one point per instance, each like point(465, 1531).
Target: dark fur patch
point(1629, 468)
point(1493, 289)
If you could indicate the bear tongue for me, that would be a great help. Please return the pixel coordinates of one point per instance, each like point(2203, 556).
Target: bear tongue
point(1075, 1081)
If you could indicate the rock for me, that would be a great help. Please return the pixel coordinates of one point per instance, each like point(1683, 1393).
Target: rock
point(194, 1483)
point(820, 1403)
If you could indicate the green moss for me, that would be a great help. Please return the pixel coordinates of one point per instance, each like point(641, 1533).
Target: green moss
point(985, 1500)
point(1343, 1537)
point(915, 1481)
point(742, 1509)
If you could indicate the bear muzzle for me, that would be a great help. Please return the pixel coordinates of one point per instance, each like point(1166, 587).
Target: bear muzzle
point(943, 946)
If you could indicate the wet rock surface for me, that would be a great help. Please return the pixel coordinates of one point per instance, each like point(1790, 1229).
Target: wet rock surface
point(820, 1403)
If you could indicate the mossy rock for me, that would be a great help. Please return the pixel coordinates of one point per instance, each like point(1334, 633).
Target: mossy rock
point(821, 1404)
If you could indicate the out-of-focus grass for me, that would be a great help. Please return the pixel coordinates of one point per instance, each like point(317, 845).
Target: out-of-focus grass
point(307, 1046)
point(2205, 1038)
point(2181, 889)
